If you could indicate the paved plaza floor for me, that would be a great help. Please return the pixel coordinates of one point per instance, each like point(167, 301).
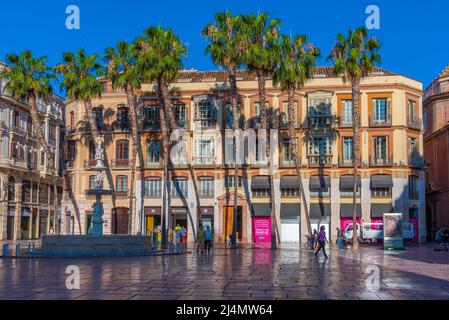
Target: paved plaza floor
point(287, 273)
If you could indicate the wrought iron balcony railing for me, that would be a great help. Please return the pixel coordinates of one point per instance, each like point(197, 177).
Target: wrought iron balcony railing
point(381, 162)
point(320, 160)
point(345, 123)
point(154, 165)
point(90, 164)
point(120, 163)
point(386, 122)
point(414, 122)
point(204, 161)
point(319, 121)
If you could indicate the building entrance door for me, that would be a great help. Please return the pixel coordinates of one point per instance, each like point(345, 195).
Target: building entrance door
point(120, 221)
point(228, 223)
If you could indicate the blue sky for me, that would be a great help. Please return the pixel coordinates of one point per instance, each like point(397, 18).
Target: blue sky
point(413, 35)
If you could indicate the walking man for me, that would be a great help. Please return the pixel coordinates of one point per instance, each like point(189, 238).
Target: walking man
point(322, 240)
point(208, 239)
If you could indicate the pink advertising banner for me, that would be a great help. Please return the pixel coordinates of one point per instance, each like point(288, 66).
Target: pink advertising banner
point(262, 229)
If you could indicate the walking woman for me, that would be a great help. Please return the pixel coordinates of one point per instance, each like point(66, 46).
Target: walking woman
point(322, 240)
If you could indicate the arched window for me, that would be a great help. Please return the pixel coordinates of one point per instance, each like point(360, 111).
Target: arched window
point(11, 189)
point(122, 118)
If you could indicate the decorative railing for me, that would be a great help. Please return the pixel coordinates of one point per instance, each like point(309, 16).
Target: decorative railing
point(414, 122)
point(204, 161)
point(320, 160)
point(319, 121)
point(120, 163)
point(380, 122)
point(381, 162)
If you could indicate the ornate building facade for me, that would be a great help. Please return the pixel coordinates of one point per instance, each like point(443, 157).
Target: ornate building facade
point(391, 175)
point(30, 196)
point(436, 152)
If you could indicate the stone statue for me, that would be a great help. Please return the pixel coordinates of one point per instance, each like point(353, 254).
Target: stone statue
point(99, 179)
point(97, 218)
point(99, 152)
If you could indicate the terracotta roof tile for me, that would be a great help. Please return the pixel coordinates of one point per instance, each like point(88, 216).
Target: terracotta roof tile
point(221, 76)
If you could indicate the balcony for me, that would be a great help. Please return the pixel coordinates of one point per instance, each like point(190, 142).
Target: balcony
point(414, 123)
point(69, 165)
point(120, 163)
point(205, 161)
point(201, 124)
point(154, 165)
point(30, 134)
point(381, 162)
point(122, 194)
point(321, 121)
point(32, 166)
point(346, 163)
point(90, 164)
point(288, 163)
point(18, 130)
point(380, 122)
point(415, 160)
point(345, 123)
point(121, 126)
point(320, 160)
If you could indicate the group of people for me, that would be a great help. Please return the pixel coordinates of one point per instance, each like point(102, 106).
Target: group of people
point(181, 235)
point(204, 240)
point(442, 239)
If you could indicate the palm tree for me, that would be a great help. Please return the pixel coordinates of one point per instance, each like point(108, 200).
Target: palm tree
point(80, 81)
point(124, 72)
point(227, 48)
point(355, 58)
point(262, 56)
point(298, 58)
point(28, 79)
point(161, 57)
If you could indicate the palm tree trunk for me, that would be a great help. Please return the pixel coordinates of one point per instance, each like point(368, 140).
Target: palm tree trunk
point(32, 102)
point(356, 155)
point(236, 116)
point(165, 143)
point(131, 97)
point(294, 152)
point(261, 81)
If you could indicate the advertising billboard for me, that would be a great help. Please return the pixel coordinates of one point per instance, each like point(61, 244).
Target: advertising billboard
point(393, 237)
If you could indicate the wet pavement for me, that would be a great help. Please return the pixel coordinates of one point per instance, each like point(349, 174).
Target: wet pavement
point(287, 273)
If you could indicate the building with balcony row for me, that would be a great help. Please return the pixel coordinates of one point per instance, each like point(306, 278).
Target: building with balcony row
point(30, 196)
point(391, 172)
point(436, 152)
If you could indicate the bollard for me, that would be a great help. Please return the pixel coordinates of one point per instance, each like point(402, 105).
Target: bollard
point(5, 251)
point(17, 249)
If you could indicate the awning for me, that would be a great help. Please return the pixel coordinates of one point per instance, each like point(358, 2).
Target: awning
point(152, 211)
point(378, 209)
point(261, 182)
point(207, 211)
point(346, 182)
point(346, 210)
point(319, 182)
point(290, 210)
point(318, 210)
point(262, 209)
point(290, 182)
point(179, 210)
point(381, 181)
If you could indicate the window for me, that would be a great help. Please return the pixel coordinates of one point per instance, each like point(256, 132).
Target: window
point(91, 182)
point(43, 193)
point(153, 187)
point(122, 150)
point(205, 112)
point(122, 184)
point(122, 118)
point(179, 187)
point(26, 191)
point(287, 156)
point(256, 119)
point(71, 150)
point(52, 134)
point(381, 148)
point(413, 187)
point(348, 192)
point(52, 195)
point(381, 110)
point(153, 151)
point(17, 152)
point(206, 187)
point(348, 150)
point(151, 118)
point(11, 189)
point(181, 115)
point(229, 117)
point(319, 106)
point(204, 151)
point(34, 193)
point(289, 192)
point(91, 150)
point(229, 182)
point(98, 116)
point(346, 112)
point(260, 192)
point(16, 119)
point(285, 117)
point(320, 146)
point(377, 192)
point(412, 111)
point(72, 120)
point(413, 146)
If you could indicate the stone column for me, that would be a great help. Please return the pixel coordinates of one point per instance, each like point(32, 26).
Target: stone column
point(365, 199)
point(335, 208)
point(18, 215)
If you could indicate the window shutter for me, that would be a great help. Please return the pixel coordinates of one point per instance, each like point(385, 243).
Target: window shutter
point(373, 108)
point(388, 108)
